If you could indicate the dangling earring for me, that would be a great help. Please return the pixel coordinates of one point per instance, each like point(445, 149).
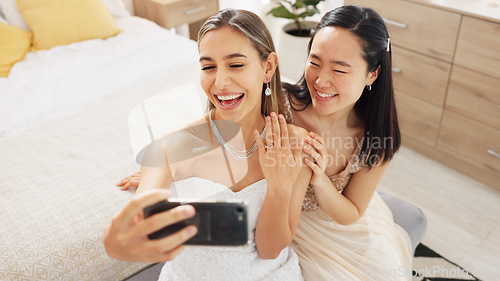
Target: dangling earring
point(369, 87)
point(268, 91)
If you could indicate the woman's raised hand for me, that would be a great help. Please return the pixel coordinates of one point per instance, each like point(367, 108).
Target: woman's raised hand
point(280, 162)
point(130, 181)
point(126, 237)
point(318, 152)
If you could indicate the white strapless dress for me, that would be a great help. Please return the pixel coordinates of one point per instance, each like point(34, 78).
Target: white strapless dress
point(229, 263)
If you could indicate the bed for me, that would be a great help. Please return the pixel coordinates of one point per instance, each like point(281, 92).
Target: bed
point(64, 144)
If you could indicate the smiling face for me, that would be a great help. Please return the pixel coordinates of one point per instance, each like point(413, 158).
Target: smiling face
point(336, 73)
point(232, 74)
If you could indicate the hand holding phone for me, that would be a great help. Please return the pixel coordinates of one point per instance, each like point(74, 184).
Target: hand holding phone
point(125, 238)
point(222, 223)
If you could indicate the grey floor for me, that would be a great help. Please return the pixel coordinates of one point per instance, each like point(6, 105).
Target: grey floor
point(148, 274)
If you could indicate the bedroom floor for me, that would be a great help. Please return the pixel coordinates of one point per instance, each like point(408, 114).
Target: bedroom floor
point(463, 222)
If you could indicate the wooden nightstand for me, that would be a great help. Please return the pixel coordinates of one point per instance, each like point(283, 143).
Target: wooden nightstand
point(173, 13)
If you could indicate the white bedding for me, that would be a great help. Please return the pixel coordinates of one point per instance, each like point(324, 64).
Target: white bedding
point(58, 188)
point(64, 143)
point(53, 83)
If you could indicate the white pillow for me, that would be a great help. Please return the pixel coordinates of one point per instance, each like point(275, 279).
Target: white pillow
point(14, 17)
point(116, 8)
point(12, 14)
point(3, 20)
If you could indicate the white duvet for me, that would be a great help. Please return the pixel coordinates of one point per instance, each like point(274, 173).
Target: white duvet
point(53, 83)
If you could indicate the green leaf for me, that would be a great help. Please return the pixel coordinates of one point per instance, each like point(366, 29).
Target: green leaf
point(310, 11)
point(311, 2)
point(299, 4)
point(282, 12)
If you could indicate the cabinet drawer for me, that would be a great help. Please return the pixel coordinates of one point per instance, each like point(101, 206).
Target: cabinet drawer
point(475, 96)
point(430, 31)
point(171, 13)
point(420, 76)
point(478, 46)
point(470, 141)
point(418, 119)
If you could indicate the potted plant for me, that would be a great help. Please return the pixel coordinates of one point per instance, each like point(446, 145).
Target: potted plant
point(292, 48)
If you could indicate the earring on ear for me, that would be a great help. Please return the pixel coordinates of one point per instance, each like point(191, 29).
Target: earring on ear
point(369, 87)
point(268, 91)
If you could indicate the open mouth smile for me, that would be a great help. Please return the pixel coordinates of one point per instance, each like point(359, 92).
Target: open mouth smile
point(324, 96)
point(229, 101)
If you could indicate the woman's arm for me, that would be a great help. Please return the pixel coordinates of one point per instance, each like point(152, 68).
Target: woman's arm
point(346, 207)
point(287, 181)
point(155, 169)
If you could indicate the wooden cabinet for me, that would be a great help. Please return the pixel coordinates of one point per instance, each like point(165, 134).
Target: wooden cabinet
point(420, 76)
point(418, 119)
point(446, 69)
point(475, 96)
point(172, 13)
point(436, 38)
point(478, 46)
point(470, 141)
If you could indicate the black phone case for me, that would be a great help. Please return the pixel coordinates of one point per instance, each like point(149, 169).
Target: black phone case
point(218, 223)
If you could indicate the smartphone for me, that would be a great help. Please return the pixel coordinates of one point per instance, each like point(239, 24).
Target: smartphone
point(219, 223)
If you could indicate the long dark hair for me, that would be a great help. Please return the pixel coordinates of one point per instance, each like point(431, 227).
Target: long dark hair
point(375, 108)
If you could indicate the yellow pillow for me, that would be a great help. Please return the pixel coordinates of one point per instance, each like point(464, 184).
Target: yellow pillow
point(14, 45)
point(61, 22)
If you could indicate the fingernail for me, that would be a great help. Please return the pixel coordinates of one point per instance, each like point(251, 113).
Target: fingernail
point(268, 119)
point(281, 117)
point(273, 114)
point(188, 210)
point(192, 230)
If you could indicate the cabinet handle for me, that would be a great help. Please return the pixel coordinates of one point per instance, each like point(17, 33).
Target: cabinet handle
point(494, 153)
point(397, 70)
point(194, 11)
point(395, 23)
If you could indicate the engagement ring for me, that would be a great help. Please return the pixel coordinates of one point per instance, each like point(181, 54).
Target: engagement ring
point(269, 146)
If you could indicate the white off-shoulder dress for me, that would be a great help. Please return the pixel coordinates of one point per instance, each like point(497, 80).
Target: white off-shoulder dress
point(229, 263)
point(372, 248)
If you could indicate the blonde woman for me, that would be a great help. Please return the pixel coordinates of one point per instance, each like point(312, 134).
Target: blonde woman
point(239, 74)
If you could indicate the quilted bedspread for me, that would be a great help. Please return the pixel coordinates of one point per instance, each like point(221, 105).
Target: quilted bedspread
point(58, 193)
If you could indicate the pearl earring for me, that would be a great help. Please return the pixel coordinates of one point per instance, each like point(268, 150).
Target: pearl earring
point(369, 87)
